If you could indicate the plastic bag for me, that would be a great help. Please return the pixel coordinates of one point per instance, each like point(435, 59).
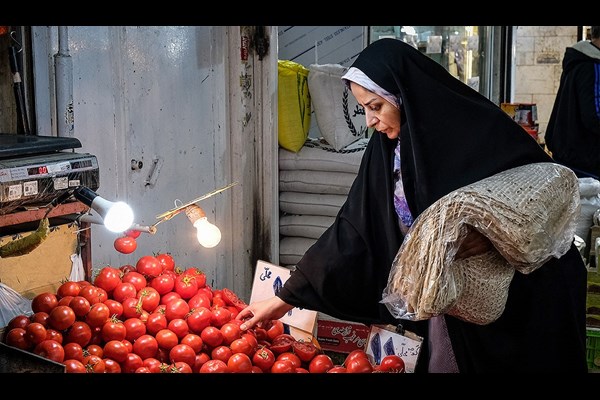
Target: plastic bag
point(529, 213)
point(12, 304)
point(77, 271)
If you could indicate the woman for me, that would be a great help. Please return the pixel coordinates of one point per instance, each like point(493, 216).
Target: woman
point(442, 135)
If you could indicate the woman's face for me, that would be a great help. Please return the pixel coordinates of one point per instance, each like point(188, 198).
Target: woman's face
point(380, 113)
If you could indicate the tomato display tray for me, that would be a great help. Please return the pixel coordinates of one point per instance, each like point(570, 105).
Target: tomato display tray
point(19, 361)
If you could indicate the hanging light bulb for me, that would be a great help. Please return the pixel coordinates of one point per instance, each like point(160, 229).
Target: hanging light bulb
point(208, 235)
point(117, 216)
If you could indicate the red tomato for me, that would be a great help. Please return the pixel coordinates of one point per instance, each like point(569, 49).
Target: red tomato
point(80, 333)
point(111, 366)
point(113, 329)
point(95, 349)
point(53, 334)
point(131, 308)
point(115, 350)
point(212, 336)
point(150, 298)
point(182, 367)
point(194, 341)
point(51, 350)
point(177, 308)
point(241, 345)
point(199, 319)
point(133, 233)
point(391, 363)
point(35, 333)
point(166, 261)
point(338, 369)
point(135, 328)
point(232, 299)
point(221, 352)
point(306, 351)
point(16, 337)
point(240, 363)
point(102, 294)
point(149, 266)
point(145, 346)
point(108, 278)
point(214, 366)
point(115, 308)
point(99, 313)
point(44, 302)
point(167, 298)
point(91, 293)
point(68, 288)
point(186, 285)
point(132, 363)
point(282, 343)
point(74, 366)
point(200, 299)
point(230, 332)
point(136, 279)
point(19, 321)
point(274, 329)
point(291, 357)
point(73, 351)
point(179, 326)
point(264, 359)
point(41, 317)
point(358, 353)
point(201, 359)
point(359, 365)
point(220, 316)
point(125, 268)
point(94, 364)
point(167, 339)
point(125, 244)
point(164, 283)
point(64, 301)
point(124, 291)
point(80, 305)
point(156, 321)
point(320, 364)
point(153, 364)
point(282, 367)
point(182, 352)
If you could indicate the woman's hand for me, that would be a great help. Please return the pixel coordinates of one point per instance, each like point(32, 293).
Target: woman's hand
point(265, 310)
point(473, 244)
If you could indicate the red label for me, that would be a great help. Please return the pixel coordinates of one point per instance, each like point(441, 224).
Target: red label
point(244, 48)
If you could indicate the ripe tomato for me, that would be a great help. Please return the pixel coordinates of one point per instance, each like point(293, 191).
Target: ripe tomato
point(149, 297)
point(116, 308)
point(149, 266)
point(135, 328)
point(155, 322)
point(95, 349)
point(153, 364)
point(68, 288)
point(115, 350)
point(220, 316)
point(166, 299)
point(80, 305)
point(54, 335)
point(264, 359)
point(125, 244)
point(91, 293)
point(80, 333)
point(166, 339)
point(131, 308)
point(44, 302)
point(201, 359)
point(306, 351)
point(124, 291)
point(177, 308)
point(358, 353)
point(179, 326)
point(35, 333)
point(282, 367)
point(163, 284)
point(212, 336)
point(282, 343)
point(73, 351)
point(111, 366)
point(74, 366)
point(214, 366)
point(199, 319)
point(18, 321)
point(16, 337)
point(221, 352)
point(108, 278)
point(338, 369)
point(145, 346)
point(232, 299)
point(181, 367)
point(291, 357)
point(241, 345)
point(138, 280)
point(131, 363)
point(230, 332)
point(194, 341)
point(167, 261)
point(41, 317)
point(113, 329)
point(99, 313)
point(186, 285)
point(199, 300)
point(391, 363)
point(182, 352)
point(274, 329)
point(320, 364)
point(359, 365)
point(94, 364)
point(239, 363)
point(133, 233)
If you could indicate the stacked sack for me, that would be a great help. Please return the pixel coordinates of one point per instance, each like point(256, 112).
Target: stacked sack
point(315, 179)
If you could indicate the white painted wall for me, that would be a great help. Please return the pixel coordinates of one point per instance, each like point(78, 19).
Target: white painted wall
point(176, 95)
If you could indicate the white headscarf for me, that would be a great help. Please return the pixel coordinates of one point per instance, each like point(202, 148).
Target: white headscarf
point(357, 76)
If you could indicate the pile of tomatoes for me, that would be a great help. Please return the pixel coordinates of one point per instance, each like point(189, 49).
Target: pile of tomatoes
point(153, 317)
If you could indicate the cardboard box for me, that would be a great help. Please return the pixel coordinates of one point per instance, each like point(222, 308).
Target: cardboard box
point(341, 336)
point(45, 267)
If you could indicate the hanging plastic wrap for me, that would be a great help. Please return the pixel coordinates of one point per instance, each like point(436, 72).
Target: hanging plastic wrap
point(529, 213)
point(12, 304)
point(77, 271)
